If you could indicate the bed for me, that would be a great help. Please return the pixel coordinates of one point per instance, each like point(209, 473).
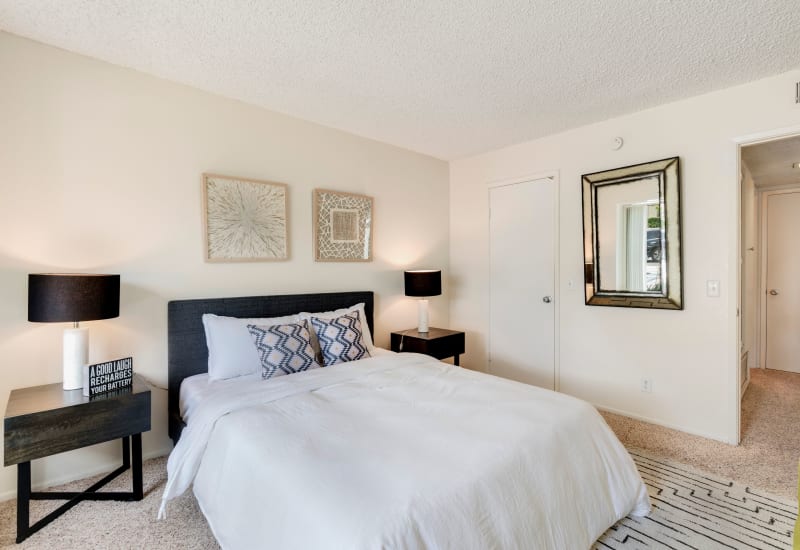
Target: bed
point(392, 451)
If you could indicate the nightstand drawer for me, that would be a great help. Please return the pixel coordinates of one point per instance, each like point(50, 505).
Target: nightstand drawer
point(440, 348)
point(437, 342)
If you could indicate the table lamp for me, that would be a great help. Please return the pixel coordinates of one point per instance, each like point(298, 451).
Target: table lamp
point(423, 283)
point(73, 297)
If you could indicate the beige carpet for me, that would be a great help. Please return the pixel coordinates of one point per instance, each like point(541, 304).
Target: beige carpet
point(770, 448)
point(115, 525)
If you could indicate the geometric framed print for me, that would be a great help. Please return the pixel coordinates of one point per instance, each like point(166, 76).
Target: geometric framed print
point(343, 226)
point(245, 220)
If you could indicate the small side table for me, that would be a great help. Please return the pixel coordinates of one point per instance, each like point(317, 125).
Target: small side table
point(45, 420)
point(437, 342)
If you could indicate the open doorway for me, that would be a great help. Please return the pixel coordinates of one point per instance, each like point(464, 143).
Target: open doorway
point(769, 319)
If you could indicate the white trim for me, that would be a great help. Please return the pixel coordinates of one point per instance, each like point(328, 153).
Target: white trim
point(734, 400)
point(675, 427)
point(557, 282)
point(769, 135)
point(551, 175)
point(554, 176)
point(761, 318)
point(757, 344)
point(784, 187)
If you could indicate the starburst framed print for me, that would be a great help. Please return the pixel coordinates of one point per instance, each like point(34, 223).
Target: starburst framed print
point(343, 226)
point(245, 219)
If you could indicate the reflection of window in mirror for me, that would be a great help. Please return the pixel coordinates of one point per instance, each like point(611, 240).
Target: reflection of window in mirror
point(638, 249)
point(630, 236)
point(654, 250)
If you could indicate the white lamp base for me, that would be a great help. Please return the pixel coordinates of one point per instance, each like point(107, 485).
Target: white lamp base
point(422, 322)
point(76, 355)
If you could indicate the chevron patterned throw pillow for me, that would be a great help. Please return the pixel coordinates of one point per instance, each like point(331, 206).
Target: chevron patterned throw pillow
point(283, 349)
point(340, 339)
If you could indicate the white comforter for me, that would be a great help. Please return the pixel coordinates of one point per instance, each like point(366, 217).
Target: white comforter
point(403, 451)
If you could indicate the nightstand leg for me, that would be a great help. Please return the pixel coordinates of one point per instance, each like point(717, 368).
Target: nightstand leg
point(455, 360)
point(131, 458)
point(23, 500)
point(126, 452)
point(138, 489)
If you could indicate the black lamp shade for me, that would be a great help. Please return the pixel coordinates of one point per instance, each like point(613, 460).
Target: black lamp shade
point(423, 282)
point(59, 298)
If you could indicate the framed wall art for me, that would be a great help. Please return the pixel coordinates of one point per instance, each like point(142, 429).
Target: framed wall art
point(343, 226)
point(245, 220)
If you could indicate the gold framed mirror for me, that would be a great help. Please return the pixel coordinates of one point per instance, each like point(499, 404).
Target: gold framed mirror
point(632, 236)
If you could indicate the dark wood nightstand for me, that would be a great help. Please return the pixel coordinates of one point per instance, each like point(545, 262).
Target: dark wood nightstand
point(45, 420)
point(437, 342)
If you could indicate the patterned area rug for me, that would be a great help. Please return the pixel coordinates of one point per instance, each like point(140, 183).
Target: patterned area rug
point(694, 510)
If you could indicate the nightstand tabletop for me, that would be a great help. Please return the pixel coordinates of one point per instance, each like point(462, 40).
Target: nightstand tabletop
point(49, 397)
point(432, 334)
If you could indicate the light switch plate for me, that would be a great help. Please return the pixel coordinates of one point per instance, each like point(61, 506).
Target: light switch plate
point(712, 289)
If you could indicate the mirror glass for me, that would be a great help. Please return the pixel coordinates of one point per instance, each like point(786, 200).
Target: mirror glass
point(632, 236)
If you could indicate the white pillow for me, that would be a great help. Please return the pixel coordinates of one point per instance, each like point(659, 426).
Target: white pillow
point(367, 335)
point(231, 351)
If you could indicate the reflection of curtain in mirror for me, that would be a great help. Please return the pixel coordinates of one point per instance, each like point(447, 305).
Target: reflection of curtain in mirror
point(631, 248)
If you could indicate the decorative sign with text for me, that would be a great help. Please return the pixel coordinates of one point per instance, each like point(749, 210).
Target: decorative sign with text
point(108, 376)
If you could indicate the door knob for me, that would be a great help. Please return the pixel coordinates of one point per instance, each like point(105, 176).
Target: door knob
point(547, 299)
point(773, 292)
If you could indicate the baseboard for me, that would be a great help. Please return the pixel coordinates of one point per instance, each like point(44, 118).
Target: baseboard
point(663, 424)
point(8, 495)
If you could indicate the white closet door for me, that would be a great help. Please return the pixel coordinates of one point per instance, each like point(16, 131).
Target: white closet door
point(783, 273)
point(522, 270)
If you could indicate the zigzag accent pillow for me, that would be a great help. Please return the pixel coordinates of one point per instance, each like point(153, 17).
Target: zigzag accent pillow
point(340, 339)
point(283, 349)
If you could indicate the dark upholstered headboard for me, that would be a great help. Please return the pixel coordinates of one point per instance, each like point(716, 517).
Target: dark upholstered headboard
point(187, 351)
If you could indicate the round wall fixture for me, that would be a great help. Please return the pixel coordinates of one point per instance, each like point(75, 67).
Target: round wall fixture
point(616, 145)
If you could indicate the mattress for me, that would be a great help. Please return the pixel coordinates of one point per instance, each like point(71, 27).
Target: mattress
point(402, 451)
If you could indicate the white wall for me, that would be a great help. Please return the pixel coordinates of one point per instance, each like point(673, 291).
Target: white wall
point(101, 173)
point(691, 355)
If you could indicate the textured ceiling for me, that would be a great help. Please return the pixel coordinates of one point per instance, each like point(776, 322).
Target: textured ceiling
point(448, 78)
point(770, 163)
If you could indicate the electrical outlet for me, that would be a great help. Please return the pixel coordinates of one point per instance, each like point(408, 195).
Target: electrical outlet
point(647, 385)
point(712, 289)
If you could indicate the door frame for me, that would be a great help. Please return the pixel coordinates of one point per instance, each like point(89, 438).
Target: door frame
point(761, 310)
point(734, 402)
point(554, 176)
